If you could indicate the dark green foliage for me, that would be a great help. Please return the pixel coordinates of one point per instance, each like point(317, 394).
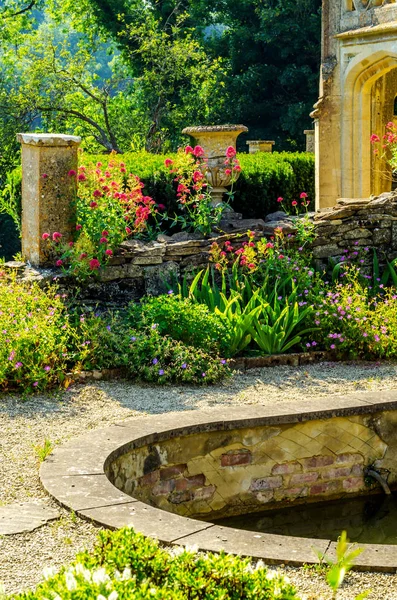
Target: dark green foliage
point(131, 567)
point(184, 320)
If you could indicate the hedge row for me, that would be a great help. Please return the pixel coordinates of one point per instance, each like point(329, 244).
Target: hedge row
point(264, 177)
point(127, 566)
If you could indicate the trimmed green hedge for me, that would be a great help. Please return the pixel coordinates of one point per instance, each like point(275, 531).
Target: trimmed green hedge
point(127, 566)
point(264, 177)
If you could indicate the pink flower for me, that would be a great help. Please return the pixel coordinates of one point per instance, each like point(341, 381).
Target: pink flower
point(103, 240)
point(237, 168)
point(78, 227)
point(128, 230)
point(83, 255)
point(188, 150)
point(374, 138)
point(294, 203)
point(97, 193)
point(44, 175)
point(230, 152)
point(56, 236)
point(198, 151)
point(280, 199)
point(81, 177)
point(45, 236)
point(303, 195)
point(99, 165)
point(123, 170)
point(70, 244)
point(228, 171)
point(105, 233)
point(168, 162)
point(161, 206)
point(72, 173)
point(59, 263)
point(93, 204)
point(122, 164)
point(109, 252)
point(94, 264)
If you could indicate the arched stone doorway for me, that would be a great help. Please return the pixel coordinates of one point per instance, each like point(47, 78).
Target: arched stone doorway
point(358, 87)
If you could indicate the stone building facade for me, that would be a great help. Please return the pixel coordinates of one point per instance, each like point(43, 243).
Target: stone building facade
point(358, 88)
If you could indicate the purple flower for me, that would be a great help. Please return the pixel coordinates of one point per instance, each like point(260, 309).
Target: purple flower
point(183, 366)
point(376, 338)
point(202, 374)
point(155, 361)
point(35, 384)
point(332, 346)
point(308, 345)
point(154, 326)
point(161, 372)
point(18, 365)
point(170, 292)
point(108, 328)
point(223, 361)
point(314, 343)
point(12, 355)
point(133, 338)
point(47, 368)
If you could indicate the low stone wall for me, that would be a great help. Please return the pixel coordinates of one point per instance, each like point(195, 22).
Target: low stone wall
point(217, 473)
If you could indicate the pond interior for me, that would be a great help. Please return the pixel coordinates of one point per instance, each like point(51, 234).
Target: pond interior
point(367, 519)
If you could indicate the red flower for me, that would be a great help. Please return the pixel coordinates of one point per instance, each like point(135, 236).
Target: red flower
point(99, 164)
point(237, 168)
point(280, 199)
point(230, 152)
point(122, 164)
point(128, 230)
point(168, 162)
point(188, 150)
point(123, 170)
point(44, 175)
point(94, 264)
point(281, 255)
point(81, 177)
point(103, 240)
point(72, 173)
point(161, 206)
point(70, 244)
point(78, 227)
point(294, 203)
point(303, 195)
point(109, 252)
point(105, 233)
point(45, 236)
point(59, 263)
point(228, 172)
point(83, 255)
point(93, 204)
point(97, 193)
point(197, 176)
point(198, 151)
point(251, 266)
point(56, 236)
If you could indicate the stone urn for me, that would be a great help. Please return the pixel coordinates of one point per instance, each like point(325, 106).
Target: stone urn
point(214, 140)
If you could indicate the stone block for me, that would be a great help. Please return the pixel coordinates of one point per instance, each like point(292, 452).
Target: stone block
point(349, 459)
point(150, 479)
point(158, 278)
point(265, 483)
point(303, 478)
point(317, 462)
point(329, 488)
point(336, 473)
point(163, 487)
point(353, 484)
point(326, 251)
point(204, 493)
point(287, 468)
point(236, 458)
point(172, 471)
point(188, 483)
point(381, 236)
point(355, 234)
point(180, 497)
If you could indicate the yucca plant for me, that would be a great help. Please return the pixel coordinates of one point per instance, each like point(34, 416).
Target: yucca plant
point(240, 317)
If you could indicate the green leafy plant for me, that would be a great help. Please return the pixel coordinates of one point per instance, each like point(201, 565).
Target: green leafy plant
point(345, 556)
point(240, 317)
point(43, 450)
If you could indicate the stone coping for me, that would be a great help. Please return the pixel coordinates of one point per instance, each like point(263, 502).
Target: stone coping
point(48, 139)
point(75, 475)
point(214, 129)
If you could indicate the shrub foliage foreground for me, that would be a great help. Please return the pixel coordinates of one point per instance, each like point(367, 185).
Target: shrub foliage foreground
point(125, 565)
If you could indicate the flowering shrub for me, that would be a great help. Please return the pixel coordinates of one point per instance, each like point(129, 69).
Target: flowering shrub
point(195, 202)
point(125, 564)
point(388, 144)
point(355, 324)
point(35, 336)
point(110, 207)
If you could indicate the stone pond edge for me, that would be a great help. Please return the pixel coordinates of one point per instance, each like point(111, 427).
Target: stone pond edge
point(75, 475)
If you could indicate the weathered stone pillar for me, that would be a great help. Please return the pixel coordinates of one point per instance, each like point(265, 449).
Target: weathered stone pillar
point(48, 188)
point(260, 146)
point(309, 133)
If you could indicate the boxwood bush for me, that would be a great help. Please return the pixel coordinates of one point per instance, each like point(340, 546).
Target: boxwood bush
point(127, 566)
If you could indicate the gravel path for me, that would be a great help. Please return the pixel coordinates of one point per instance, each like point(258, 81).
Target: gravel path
point(25, 424)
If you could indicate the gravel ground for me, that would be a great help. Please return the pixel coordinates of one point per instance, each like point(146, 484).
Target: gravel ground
point(25, 424)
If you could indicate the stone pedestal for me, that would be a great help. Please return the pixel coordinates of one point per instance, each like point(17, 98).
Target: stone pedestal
point(47, 190)
point(309, 133)
point(255, 146)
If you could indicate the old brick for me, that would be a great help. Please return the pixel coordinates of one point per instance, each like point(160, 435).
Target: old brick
point(336, 473)
point(172, 471)
point(163, 488)
point(357, 470)
point(266, 483)
point(316, 462)
point(180, 497)
point(291, 493)
point(204, 493)
point(331, 487)
point(302, 478)
point(187, 483)
point(149, 479)
point(349, 459)
point(287, 468)
point(235, 458)
point(353, 484)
